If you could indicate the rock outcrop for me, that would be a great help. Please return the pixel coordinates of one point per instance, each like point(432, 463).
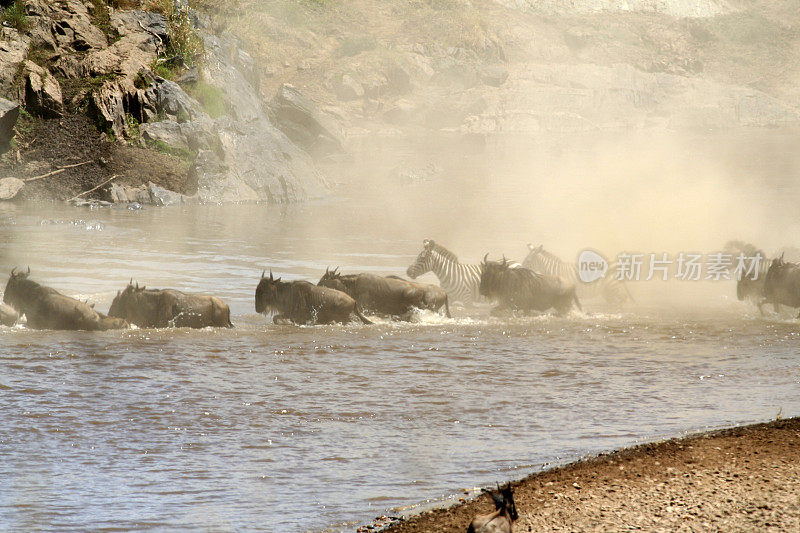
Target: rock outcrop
point(41, 93)
point(9, 113)
point(303, 123)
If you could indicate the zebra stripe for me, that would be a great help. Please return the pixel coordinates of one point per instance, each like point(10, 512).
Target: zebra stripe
point(609, 287)
point(460, 281)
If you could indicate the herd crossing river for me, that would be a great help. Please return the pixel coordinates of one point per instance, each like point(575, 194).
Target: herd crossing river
point(285, 428)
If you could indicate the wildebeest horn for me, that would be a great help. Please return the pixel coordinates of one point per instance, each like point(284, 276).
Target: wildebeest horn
point(29, 268)
point(130, 282)
point(270, 275)
point(486, 258)
point(13, 270)
point(263, 272)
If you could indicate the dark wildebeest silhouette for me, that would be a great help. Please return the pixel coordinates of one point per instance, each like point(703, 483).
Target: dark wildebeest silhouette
point(302, 302)
point(46, 308)
point(503, 517)
point(522, 289)
point(388, 296)
point(782, 284)
point(750, 286)
point(434, 297)
point(161, 308)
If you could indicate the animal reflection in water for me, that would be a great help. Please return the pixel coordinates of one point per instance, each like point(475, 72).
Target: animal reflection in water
point(161, 308)
point(503, 517)
point(301, 302)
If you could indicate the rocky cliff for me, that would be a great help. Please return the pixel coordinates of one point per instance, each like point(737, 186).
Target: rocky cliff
point(199, 117)
point(243, 100)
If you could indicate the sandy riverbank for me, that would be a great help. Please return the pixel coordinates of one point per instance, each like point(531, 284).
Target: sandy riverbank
point(739, 479)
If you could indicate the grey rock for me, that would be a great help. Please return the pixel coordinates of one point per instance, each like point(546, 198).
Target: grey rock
point(191, 136)
point(375, 85)
point(175, 103)
point(348, 88)
point(493, 75)
point(398, 77)
point(188, 77)
point(260, 164)
point(124, 194)
point(300, 120)
point(159, 196)
point(68, 66)
point(167, 131)
point(14, 49)
point(9, 113)
point(401, 113)
point(42, 92)
point(233, 70)
point(75, 29)
point(10, 188)
point(108, 108)
point(137, 21)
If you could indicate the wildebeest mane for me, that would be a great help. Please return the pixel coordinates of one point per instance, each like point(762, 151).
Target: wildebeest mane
point(502, 282)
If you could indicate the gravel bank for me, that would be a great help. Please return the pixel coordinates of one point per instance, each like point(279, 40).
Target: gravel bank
point(739, 479)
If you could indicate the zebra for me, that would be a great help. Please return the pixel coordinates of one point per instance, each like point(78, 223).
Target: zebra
point(460, 281)
point(609, 287)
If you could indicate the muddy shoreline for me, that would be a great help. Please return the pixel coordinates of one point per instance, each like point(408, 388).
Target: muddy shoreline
point(745, 478)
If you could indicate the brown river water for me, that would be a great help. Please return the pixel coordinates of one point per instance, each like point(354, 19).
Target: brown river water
point(280, 428)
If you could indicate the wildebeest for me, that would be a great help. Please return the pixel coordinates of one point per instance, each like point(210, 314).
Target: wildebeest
point(46, 308)
point(161, 308)
point(613, 290)
point(782, 284)
point(434, 297)
point(522, 289)
point(377, 294)
point(503, 517)
point(750, 286)
point(8, 316)
point(302, 302)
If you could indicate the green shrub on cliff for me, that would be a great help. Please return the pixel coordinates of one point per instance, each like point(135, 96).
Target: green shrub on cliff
point(184, 42)
point(211, 97)
point(14, 15)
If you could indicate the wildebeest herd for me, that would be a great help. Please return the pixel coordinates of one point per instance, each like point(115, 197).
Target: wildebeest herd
point(341, 298)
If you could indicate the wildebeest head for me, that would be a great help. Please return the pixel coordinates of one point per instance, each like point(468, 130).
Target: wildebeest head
point(332, 279)
point(126, 301)
point(266, 292)
point(493, 275)
point(507, 493)
point(16, 289)
point(423, 263)
point(503, 498)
